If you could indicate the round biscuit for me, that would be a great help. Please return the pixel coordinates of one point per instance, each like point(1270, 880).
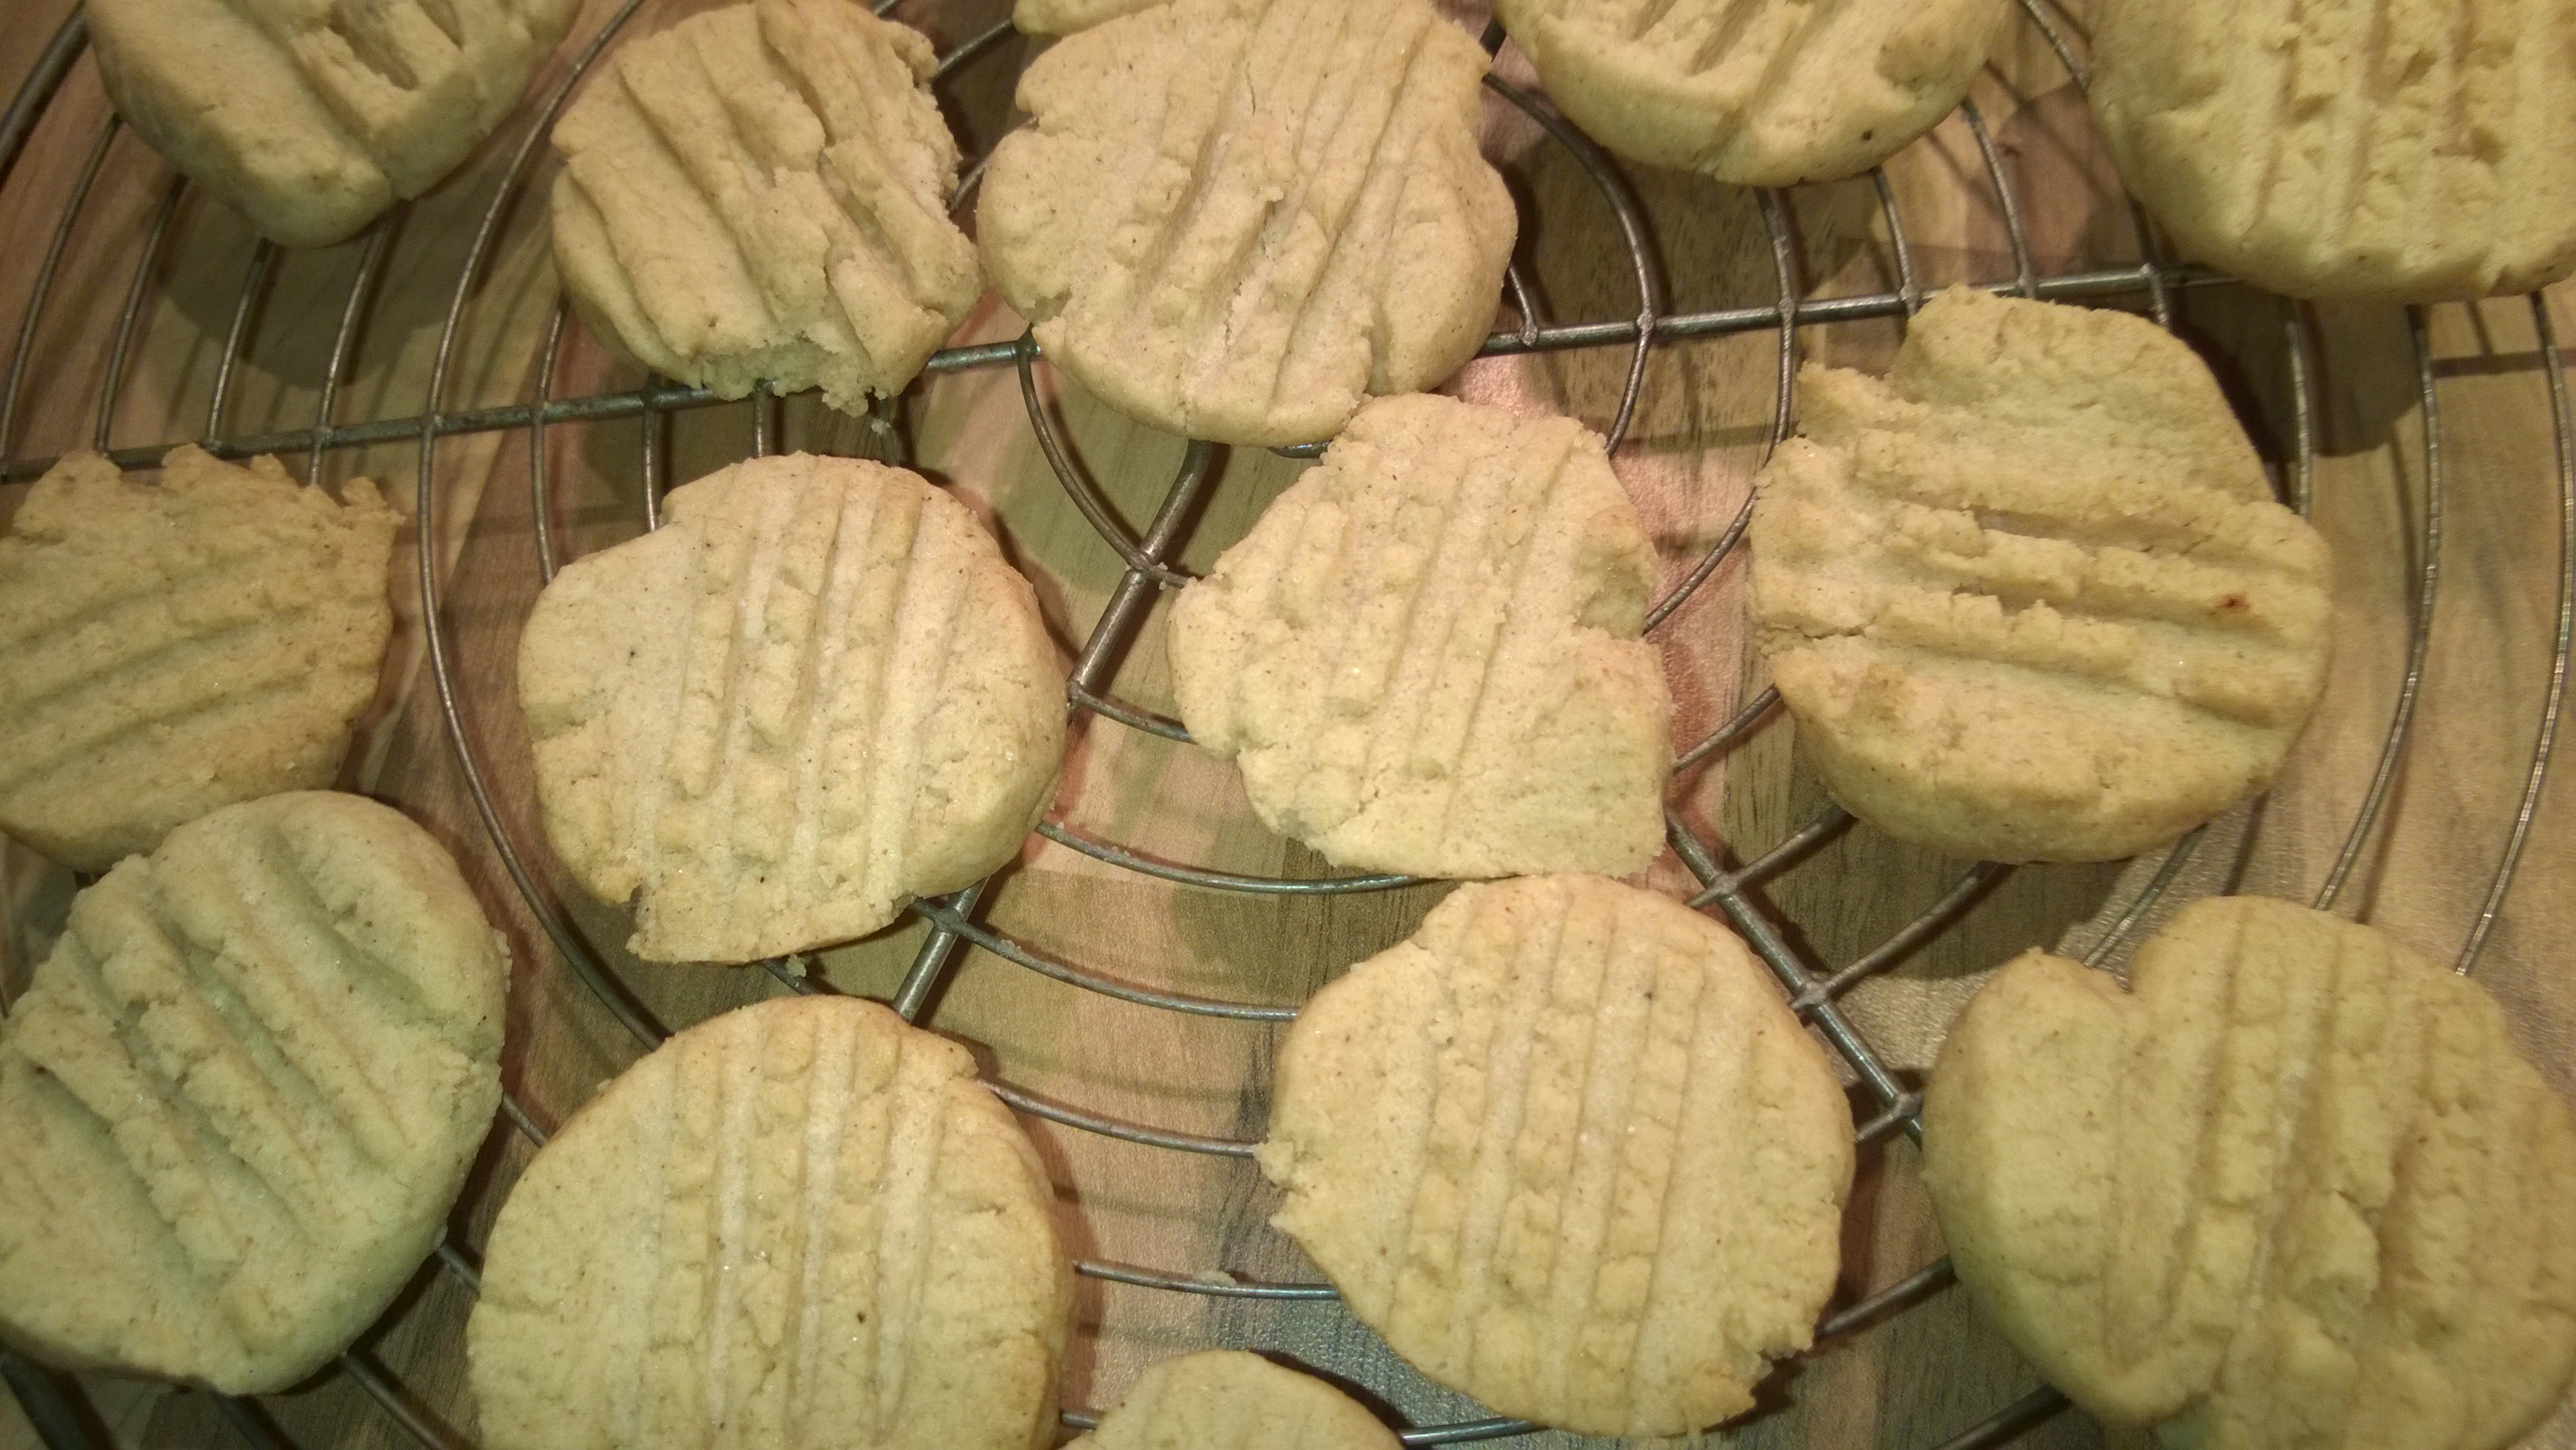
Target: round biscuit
point(2412, 151)
point(2295, 1176)
point(1425, 656)
point(1235, 219)
point(760, 194)
point(313, 119)
point(1756, 92)
point(815, 693)
point(1570, 1153)
point(802, 1221)
point(167, 649)
point(241, 1094)
point(2029, 597)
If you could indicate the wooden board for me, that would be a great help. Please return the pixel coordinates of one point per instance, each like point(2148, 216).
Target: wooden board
point(1704, 419)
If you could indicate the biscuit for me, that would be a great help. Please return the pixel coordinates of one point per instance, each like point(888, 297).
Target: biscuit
point(815, 693)
point(240, 1096)
point(1233, 219)
point(1064, 17)
point(314, 117)
point(802, 1222)
point(2414, 151)
point(2295, 1187)
point(2029, 597)
point(1756, 92)
point(167, 650)
point(1237, 1400)
point(1425, 656)
point(1570, 1153)
point(760, 193)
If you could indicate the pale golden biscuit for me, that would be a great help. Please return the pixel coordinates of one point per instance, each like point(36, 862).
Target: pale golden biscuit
point(2296, 1187)
point(2413, 150)
point(1756, 92)
point(167, 649)
point(1064, 17)
point(803, 1222)
point(1235, 219)
point(240, 1096)
point(1425, 656)
point(314, 116)
point(816, 693)
point(1225, 1397)
point(1569, 1151)
point(2029, 596)
point(760, 193)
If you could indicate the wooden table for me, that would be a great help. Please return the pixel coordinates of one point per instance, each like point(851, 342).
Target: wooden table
point(1705, 417)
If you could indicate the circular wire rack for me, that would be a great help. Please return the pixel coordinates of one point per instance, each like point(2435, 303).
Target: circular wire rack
point(1150, 566)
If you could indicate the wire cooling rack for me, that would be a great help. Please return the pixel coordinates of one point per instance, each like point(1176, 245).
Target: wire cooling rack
point(1814, 987)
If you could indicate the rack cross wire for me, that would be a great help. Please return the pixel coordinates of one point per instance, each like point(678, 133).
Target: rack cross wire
point(52, 1402)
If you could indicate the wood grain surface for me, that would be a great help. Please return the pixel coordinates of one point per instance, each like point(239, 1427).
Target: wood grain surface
point(1703, 420)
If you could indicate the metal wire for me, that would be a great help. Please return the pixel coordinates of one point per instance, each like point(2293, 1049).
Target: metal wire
point(1143, 865)
point(50, 1402)
point(664, 397)
point(2031, 1410)
point(960, 925)
point(255, 279)
point(390, 1397)
point(145, 268)
point(2303, 419)
point(541, 511)
point(1613, 186)
point(1466, 1432)
point(1226, 1288)
point(2428, 582)
point(1150, 568)
point(1966, 892)
point(362, 287)
point(2555, 371)
point(2025, 276)
point(1134, 717)
point(1794, 976)
point(28, 106)
point(456, 1260)
point(912, 998)
point(1077, 484)
point(611, 992)
point(250, 1422)
point(1039, 1106)
point(1784, 267)
point(45, 281)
